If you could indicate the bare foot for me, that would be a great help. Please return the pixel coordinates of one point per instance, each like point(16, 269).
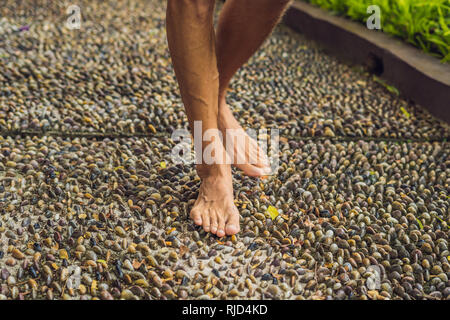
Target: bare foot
point(214, 208)
point(248, 156)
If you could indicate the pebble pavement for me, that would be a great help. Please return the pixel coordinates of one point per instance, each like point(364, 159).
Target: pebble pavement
point(91, 206)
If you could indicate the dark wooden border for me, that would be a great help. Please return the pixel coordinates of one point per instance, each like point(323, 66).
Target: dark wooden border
point(418, 76)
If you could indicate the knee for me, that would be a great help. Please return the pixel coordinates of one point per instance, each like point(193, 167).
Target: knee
point(202, 9)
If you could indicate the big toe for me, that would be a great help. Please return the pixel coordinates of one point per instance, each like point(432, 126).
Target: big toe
point(221, 226)
point(196, 216)
point(232, 225)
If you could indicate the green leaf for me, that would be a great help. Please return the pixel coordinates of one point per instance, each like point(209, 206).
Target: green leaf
point(390, 88)
point(393, 89)
point(423, 23)
point(420, 224)
point(406, 113)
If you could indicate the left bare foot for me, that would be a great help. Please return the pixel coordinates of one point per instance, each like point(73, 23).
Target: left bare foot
point(248, 156)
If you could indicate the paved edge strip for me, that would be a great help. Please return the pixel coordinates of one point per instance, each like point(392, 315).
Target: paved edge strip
point(418, 76)
point(119, 135)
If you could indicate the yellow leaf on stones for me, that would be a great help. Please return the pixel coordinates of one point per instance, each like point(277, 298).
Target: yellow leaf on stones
point(63, 254)
point(406, 113)
point(272, 212)
point(163, 164)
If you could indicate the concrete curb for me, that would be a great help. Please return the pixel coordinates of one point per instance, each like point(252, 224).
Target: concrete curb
point(418, 76)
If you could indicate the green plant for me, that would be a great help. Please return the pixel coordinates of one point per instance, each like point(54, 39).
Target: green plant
point(423, 23)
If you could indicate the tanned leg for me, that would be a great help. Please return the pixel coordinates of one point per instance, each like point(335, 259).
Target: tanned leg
point(191, 39)
point(243, 27)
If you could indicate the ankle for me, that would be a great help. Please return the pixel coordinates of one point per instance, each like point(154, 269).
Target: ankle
point(224, 111)
point(223, 100)
point(205, 171)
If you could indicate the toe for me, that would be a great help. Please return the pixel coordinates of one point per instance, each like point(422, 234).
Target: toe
point(254, 171)
point(221, 226)
point(196, 216)
point(206, 220)
point(213, 221)
point(232, 224)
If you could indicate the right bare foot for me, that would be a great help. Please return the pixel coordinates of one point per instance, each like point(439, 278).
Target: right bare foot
point(214, 208)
